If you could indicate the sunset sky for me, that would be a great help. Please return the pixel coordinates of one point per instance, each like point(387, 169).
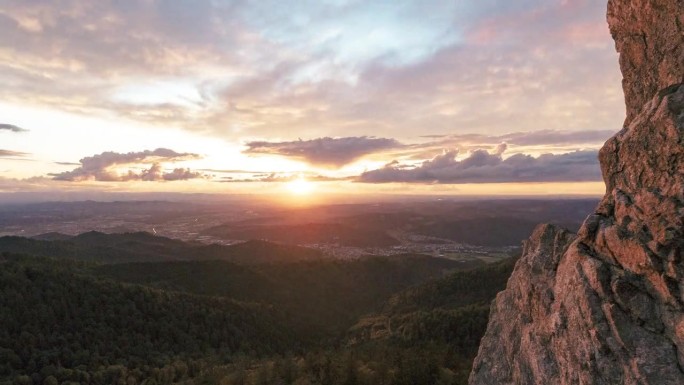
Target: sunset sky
point(473, 97)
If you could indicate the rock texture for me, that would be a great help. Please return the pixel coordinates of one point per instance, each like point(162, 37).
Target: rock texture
point(607, 306)
point(648, 35)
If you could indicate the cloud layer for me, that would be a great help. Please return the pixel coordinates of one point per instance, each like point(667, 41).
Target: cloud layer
point(330, 152)
point(335, 71)
point(343, 68)
point(537, 142)
point(533, 138)
point(483, 167)
point(103, 167)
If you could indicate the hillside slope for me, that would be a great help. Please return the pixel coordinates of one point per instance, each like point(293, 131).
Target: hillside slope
point(451, 310)
point(326, 296)
point(145, 247)
point(57, 321)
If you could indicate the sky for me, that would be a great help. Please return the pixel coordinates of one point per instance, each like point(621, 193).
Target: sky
point(459, 97)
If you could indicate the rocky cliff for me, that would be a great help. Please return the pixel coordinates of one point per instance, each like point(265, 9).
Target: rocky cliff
point(607, 306)
point(648, 36)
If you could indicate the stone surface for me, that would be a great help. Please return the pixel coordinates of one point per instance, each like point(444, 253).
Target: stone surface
point(607, 306)
point(648, 36)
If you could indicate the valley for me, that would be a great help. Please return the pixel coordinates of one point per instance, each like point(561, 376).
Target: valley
point(349, 294)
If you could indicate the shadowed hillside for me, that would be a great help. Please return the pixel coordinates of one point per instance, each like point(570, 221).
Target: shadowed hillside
point(145, 247)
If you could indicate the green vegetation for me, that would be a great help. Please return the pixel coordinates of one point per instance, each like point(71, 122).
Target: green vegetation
point(391, 320)
point(58, 322)
point(145, 247)
point(477, 286)
point(326, 297)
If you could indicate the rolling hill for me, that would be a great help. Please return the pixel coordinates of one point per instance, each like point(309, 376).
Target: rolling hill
point(145, 247)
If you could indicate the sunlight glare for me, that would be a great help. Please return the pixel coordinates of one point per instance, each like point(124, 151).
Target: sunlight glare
point(300, 186)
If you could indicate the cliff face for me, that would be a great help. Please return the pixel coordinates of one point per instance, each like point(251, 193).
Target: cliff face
point(607, 306)
point(648, 35)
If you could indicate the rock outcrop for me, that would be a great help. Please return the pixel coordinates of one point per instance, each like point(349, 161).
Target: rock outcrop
point(648, 36)
point(607, 306)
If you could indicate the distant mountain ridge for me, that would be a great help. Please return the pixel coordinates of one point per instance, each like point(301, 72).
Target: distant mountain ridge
point(308, 233)
point(145, 247)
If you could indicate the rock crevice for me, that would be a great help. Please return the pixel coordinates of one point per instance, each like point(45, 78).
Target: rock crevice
point(607, 306)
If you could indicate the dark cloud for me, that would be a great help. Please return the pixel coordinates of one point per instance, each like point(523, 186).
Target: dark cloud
point(100, 167)
point(11, 127)
point(326, 151)
point(483, 167)
point(67, 164)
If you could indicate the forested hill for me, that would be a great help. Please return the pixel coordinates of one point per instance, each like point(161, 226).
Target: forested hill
point(451, 310)
point(58, 322)
point(78, 321)
point(326, 295)
point(145, 247)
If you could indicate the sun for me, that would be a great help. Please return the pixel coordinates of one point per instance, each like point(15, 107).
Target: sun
point(300, 186)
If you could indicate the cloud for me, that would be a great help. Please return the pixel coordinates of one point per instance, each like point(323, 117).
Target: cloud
point(11, 127)
point(279, 177)
point(538, 138)
point(283, 178)
point(483, 167)
point(548, 137)
point(23, 185)
point(252, 69)
point(102, 167)
point(233, 171)
point(67, 164)
point(530, 142)
point(335, 152)
point(500, 149)
point(156, 173)
point(11, 154)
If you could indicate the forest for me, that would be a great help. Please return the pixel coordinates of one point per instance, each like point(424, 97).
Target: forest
point(405, 319)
